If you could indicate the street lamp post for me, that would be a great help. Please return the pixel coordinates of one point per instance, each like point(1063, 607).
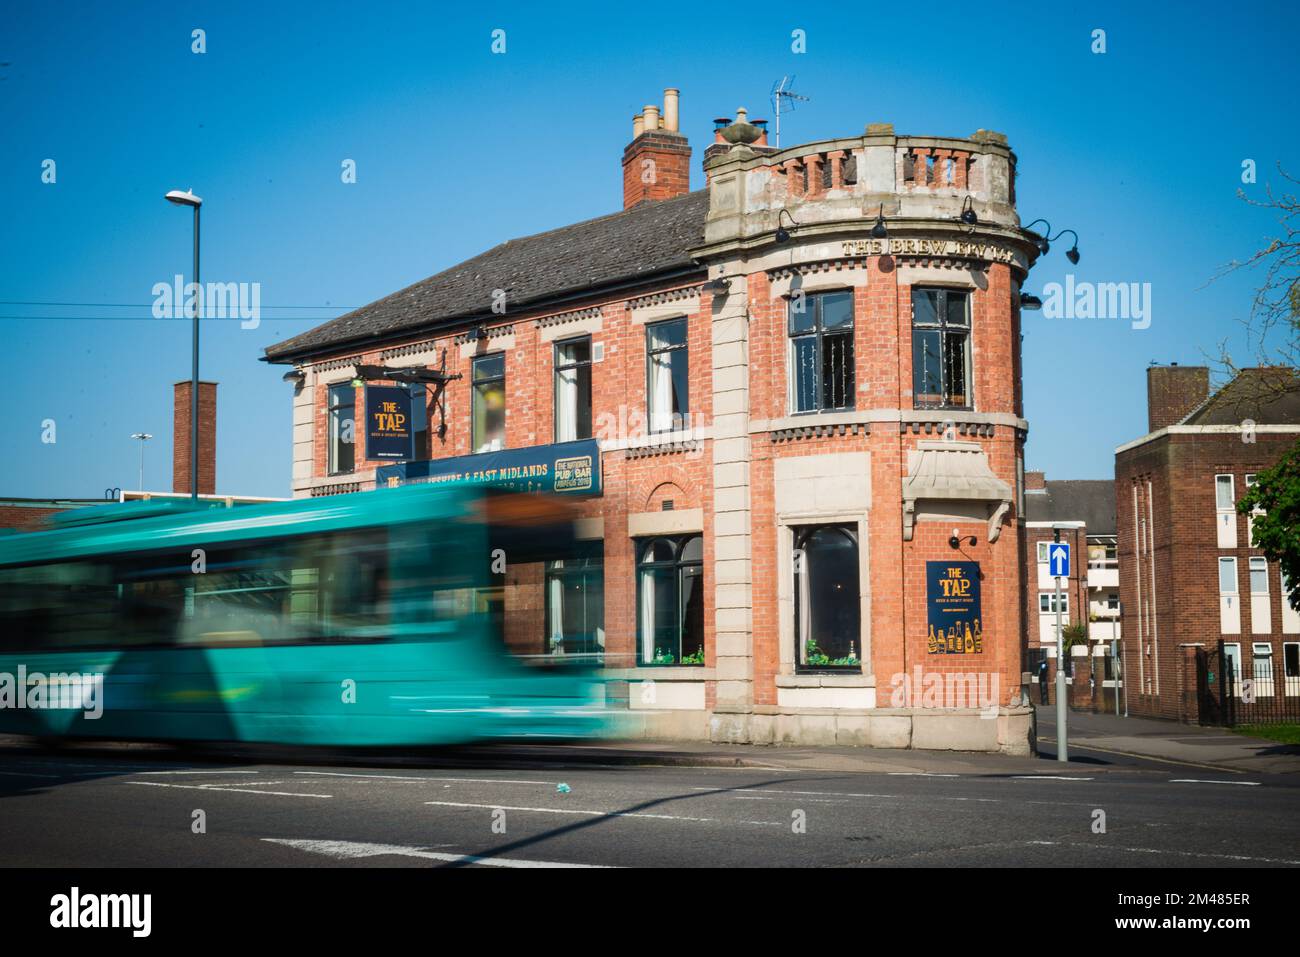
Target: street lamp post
point(187, 198)
point(143, 437)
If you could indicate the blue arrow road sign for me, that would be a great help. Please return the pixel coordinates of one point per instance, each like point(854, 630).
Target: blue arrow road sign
point(1058, 560)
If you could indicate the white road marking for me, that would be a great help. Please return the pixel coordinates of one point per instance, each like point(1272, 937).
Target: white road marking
point(1249, 784)
point(198, 772)
point(822, 794)
point(585, 813)
point(354, 849)
point(1046, 777)
point(922, 774)
point(233, 790)
point(398, 777)
point(1153, 850)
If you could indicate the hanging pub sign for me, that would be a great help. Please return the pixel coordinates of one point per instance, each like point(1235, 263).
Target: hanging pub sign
point(571, 468)
point(389, 432)
point(952, 591)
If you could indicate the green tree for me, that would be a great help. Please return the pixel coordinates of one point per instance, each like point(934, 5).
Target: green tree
point(1276, 493)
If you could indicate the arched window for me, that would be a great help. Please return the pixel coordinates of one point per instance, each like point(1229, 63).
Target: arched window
point(827, 598)
point(670, 601)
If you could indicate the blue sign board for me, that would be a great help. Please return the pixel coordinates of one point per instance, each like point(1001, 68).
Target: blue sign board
point(568, 468)
point(389, 433)
point(952, 592)
point(1058, 560)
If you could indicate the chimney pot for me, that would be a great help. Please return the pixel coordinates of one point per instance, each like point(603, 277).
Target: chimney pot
point(670, 110)
point(656, 166)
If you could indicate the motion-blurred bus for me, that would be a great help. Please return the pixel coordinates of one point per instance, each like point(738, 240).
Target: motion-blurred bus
point(351, 620)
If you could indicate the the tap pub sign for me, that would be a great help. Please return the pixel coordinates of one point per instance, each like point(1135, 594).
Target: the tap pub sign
point(388, 423)
point(952, 592)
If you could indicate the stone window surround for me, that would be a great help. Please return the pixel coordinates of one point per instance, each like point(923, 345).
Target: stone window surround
point(787, 674)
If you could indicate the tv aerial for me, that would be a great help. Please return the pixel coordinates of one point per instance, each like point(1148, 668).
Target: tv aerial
point(784, 99)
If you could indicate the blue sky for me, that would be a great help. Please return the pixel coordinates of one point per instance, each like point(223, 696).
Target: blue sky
point(1138, 149)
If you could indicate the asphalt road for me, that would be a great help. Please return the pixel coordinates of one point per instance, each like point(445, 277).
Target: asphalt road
point(110, 808)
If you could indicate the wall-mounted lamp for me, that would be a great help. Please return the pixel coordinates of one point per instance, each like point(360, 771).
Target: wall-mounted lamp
point(717, 287)
point(1030, 302)
point(968, 213)
point(955, 539)
point(879, 231)
point(782, 234)
point(1044, 242)
point(296, 376)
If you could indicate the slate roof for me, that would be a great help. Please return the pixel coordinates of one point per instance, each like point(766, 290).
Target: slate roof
point(1091, 501)
point(638, 243)
point(1268, 395)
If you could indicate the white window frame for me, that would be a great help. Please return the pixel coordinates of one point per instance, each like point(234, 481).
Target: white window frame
point(1255, 564)
point(1225, 516)
point(1048, 598)
point(1232, 649)
point(1236, 584)
point(1261, 652)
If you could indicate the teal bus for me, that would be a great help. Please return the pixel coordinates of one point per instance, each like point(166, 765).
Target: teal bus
point(351, 620)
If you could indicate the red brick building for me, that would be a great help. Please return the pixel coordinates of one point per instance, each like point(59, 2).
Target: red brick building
point(1082, 513)
point(789, 405)
point(1189, 574)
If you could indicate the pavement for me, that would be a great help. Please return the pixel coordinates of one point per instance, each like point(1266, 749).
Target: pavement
point(1157, 741)
point(641, 804)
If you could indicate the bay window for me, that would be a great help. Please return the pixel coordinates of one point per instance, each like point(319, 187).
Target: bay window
point(670, 601)
point(575, 606)
point(573, 390)
point(488, 403)
point(941, 350)
point(667, 375)
point(821, 351)
point(342, 403)
point(827, 597)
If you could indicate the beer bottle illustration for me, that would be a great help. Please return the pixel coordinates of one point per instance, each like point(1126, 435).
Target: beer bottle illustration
point(970, 641)
point(979, 637)
point(932, 643)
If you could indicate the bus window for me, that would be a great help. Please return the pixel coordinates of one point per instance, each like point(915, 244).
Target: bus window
point(56, 607)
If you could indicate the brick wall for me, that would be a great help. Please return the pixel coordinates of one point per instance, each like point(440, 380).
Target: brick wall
point(637, 482)
point(181, 424)
point(1170, 591)
point(656, 165)
point(1173, 391)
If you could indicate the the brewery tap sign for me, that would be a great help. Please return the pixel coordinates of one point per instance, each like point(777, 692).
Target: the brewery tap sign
point(388, 423)
point(952, 592)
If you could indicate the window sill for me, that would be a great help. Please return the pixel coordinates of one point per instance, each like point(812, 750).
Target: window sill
point(850, 680)
point(663, 673)
point(804, 420)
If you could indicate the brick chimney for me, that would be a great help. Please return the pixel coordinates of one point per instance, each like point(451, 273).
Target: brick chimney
point(207, 437)
point(1173, 391)
point(657, 163)
point(1035, 481)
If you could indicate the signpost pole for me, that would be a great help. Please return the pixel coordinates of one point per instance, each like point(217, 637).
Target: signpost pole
point(1059, 564)
point(1062, 752)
